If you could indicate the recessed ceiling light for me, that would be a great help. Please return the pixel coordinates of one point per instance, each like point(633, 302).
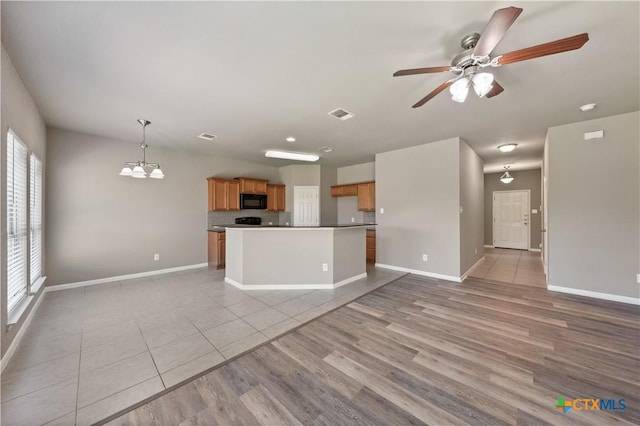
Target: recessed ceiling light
point(507, 147)
point(291, 139)
point(207, 136)
point(292, 155)
point(325, 149)
point(587, 107)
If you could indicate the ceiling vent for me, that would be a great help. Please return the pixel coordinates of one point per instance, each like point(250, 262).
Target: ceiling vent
point(341, 114)
point(207, 136)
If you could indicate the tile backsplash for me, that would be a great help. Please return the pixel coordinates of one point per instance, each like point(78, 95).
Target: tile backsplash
point(225, 217)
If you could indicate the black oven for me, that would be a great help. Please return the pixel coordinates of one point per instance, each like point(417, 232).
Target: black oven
point(253, 201)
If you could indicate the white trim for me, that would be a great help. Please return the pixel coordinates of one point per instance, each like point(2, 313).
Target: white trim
point(124, 277)
point(16, 340)
point(595, 294)
point(466, 274)
point(294, 286)
point(488, 246)
point(534, 249)
point(35, 287)
point(418, 272)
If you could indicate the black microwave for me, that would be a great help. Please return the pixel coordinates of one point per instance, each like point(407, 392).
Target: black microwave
point(253, 201)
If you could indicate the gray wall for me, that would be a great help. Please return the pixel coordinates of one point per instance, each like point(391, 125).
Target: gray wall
point(419, 190)
point(471, 208)
point(103, 225)
point(328, 204)
point(593, 197)
point(20, 113)
point(522, 179)
point(348, 206)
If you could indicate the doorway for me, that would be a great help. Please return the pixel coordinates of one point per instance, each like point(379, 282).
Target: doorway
point(306, 206)
point(511, 219)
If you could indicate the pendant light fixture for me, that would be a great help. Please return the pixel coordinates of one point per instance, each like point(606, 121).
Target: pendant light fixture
point(506, 177)
point(138, 170)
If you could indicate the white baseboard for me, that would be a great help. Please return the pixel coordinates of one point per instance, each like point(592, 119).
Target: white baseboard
point(488, 246)
point(466, 274)
point(124, 277)
point(16, 340)
point(595, 294)
point(294, 286)
point(418, 272)
point(535, 249)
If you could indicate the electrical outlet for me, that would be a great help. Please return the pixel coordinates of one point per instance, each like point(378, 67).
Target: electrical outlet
point(156, 256)
point(476, 251)
point(381, 210)
point(325, 267)
point(425, 257)
point(353, 219)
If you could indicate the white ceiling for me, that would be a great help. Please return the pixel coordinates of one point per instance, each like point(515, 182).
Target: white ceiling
point(254, 73)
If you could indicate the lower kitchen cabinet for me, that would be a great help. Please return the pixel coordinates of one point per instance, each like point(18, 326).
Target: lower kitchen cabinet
point(371, 246)
point(217, 247)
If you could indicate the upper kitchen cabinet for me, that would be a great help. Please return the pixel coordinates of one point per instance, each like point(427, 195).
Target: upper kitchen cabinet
point(275, 198)
point(252, 186)
point(224, 194)
point(344, 190)
point(367, 196)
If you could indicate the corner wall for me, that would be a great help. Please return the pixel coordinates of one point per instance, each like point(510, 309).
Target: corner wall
point(419, 190)
point(594, 208)
point(20, 113)
point(471, 208)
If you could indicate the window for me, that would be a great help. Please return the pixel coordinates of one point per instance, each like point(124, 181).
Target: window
point(16, 221)
point(35, 222)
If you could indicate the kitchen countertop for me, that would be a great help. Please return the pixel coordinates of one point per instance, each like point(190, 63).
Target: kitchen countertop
point(221, 228)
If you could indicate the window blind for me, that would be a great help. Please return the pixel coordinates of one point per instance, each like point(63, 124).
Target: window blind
point(16, 220)
point(35, 213)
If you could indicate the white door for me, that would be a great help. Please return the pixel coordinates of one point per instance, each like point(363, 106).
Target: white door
point(511, 219)
point(306, 207)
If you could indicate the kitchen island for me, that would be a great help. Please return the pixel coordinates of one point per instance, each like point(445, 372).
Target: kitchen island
point(285, 258)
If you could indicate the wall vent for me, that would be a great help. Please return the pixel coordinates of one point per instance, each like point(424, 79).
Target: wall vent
point(207, 136)
point(341, 114)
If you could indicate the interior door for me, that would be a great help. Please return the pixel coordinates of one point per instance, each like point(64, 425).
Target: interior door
point(511, 219)
point(306, 206)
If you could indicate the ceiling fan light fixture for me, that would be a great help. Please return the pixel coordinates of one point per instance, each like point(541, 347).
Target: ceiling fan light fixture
point(507, 147)
point(482, 83)
point(459, 90)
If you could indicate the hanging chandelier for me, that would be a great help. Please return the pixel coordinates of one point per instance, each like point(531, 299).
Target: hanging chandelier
point(506, 177)
point(138, 170)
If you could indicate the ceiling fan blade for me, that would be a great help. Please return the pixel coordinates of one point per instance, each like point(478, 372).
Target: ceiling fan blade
point(431, 95)
point(551, 48)
point(420, 71)
point(496, 90)
point(495, 30)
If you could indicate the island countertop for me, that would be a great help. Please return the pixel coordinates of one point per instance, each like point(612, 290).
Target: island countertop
point(221, 228)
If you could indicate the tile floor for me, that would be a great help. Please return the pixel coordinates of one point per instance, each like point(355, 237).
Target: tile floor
point(93, 351)
point(511, 266)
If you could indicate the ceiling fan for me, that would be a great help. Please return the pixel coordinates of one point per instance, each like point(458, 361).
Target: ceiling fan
point(468, 65)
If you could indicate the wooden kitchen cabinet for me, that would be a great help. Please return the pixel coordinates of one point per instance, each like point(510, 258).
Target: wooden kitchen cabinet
point(371, 246)
point(275, 198)
point(367, 196)
point(224, 194)
point(217, 249)
point(344, 190)
point(252, 186)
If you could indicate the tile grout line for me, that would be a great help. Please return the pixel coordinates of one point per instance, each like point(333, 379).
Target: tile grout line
point(150, 354)
point(75, 419)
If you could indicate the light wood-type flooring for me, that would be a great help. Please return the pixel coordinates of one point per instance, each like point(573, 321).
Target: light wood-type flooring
point(425, 351)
